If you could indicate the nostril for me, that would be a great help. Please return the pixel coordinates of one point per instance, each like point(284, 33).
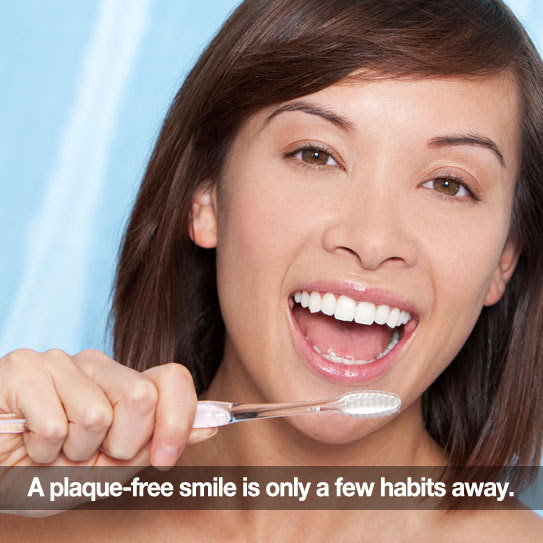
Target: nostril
point(366, 263)
point(347, 250)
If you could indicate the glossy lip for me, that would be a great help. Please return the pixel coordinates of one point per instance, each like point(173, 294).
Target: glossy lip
point(352, 373)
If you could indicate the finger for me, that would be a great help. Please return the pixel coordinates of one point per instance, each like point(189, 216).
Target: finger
point(174, 412)
point(139, 461)
point(86, 406)
point(27, 389)
point(197, 435)
point(133, 397)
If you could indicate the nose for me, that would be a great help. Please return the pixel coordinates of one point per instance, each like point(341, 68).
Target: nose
point(373, 226)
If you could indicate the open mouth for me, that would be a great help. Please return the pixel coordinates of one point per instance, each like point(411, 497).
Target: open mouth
point(349, 338)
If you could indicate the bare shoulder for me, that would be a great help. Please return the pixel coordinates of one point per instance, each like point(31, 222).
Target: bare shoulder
point(102, 526)
point(520, 526)
point(90, 526)
point(19, 528)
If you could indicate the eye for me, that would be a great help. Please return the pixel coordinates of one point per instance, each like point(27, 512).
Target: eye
point(449, 185)
point(314, 156)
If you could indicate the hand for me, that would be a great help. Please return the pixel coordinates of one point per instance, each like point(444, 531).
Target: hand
point(90, 409)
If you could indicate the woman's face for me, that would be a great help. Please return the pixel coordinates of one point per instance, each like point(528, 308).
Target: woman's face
point(388, 194)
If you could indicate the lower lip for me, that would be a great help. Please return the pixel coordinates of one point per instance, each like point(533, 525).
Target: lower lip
point(349, 373)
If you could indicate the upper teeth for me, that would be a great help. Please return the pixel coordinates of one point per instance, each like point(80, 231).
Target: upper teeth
point(346, 309)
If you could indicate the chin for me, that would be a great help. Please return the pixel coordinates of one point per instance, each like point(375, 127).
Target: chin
point(336, 429)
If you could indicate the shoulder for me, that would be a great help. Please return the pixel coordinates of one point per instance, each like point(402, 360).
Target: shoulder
point(520, 526)
point(121, 526)
point(91, 526)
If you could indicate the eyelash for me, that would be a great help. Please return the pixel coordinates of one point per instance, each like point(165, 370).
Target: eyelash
point(447, 176)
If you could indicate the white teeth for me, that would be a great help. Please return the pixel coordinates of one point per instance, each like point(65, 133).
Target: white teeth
point(345, 309)
point(314, 302)
point(393, 317)
point(365, 313)
point(328, 304)
point(381, 313)
point(348, 361)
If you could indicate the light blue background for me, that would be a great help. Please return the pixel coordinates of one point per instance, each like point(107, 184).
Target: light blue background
point(84, 87)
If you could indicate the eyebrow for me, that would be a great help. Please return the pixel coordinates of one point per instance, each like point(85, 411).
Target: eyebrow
point(312, 109)
point(468, 139)
point(344, 123)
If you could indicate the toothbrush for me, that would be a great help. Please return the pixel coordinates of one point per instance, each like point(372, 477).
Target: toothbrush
point(210, 414)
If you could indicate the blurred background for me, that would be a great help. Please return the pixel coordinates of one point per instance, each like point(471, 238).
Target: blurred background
point(85, 86)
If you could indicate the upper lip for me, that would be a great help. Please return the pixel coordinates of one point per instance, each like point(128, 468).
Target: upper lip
point(361, 293)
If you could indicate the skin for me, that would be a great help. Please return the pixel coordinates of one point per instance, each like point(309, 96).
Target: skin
point(372, 216)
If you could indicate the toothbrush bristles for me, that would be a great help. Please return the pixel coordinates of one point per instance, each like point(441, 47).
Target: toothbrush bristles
point(369, 403)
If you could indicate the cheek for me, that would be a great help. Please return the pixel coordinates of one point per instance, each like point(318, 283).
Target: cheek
point(261, 227)
point(461, 251)
point(259, 236)
point(465, 254)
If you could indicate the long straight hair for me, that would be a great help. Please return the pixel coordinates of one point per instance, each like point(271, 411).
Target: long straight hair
point(486, 408)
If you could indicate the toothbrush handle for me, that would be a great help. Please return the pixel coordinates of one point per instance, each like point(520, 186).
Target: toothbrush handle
point(246, 411)
point(210, 414)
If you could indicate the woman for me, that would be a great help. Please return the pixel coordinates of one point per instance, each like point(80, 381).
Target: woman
point(323, 164)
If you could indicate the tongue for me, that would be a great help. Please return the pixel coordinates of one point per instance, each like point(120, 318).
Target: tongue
point(346, 339)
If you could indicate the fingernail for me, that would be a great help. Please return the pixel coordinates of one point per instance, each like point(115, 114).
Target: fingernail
point(201, 434)
point(165, 456)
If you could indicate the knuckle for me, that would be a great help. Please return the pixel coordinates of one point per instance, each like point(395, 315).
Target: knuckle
point(56, 353)
point(96, 419)
point(184, 373)
point(91, 355)
point(20, 358)
point(58, 356)
point(177, 373)
point(91, 360)
point(52, 430)
point(141, 394)
point(92, 352)
point(174, 370)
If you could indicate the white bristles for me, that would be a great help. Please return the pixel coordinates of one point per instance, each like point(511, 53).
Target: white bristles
point(369, 403)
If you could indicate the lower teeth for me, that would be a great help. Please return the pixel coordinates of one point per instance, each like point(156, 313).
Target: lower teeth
point(332, 357)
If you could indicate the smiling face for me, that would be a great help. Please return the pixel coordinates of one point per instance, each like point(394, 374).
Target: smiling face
point(367, 196)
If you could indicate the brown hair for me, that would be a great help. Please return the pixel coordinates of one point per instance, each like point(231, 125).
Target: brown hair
point(486, 407)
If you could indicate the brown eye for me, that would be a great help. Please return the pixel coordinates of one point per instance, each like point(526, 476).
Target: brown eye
point(448, 186)
point(315, 157)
